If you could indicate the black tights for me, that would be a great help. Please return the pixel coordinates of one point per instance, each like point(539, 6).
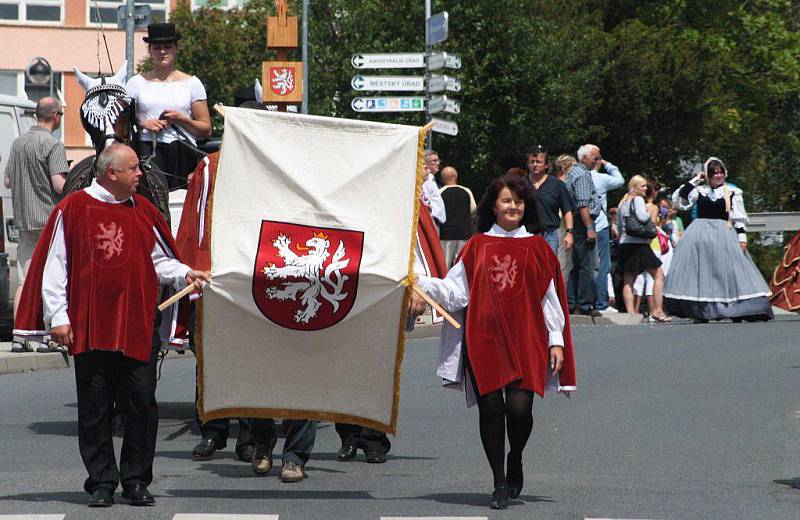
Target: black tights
point(516, 410)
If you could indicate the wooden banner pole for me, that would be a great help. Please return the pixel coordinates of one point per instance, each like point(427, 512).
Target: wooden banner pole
point(429, 301)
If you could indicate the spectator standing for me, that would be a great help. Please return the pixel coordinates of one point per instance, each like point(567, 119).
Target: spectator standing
point(562, 166)
point(586, 206)
point(459, 204)
point(553, 202)
point(635, 253)
point(35, 174)
point(171, 107)
point(603, 183)
point(430, 190)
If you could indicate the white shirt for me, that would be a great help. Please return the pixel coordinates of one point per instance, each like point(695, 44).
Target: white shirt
point(54, 284)
point(154, 97)
point(432, 197)
point(452, 292)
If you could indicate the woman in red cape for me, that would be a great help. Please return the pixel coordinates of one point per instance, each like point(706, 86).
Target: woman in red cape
point(517, 339)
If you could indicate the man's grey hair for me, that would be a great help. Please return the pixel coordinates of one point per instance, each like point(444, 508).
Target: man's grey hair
point(46, 109)
point(110, 157)
point(585, 150)
point(430, 152)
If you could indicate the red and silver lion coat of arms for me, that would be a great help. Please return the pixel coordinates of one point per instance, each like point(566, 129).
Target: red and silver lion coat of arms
point(306, 277)
point(281, 80)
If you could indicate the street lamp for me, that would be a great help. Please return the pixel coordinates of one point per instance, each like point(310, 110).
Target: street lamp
point(40, 72)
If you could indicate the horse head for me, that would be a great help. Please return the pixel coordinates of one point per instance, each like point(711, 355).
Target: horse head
point(108, 114)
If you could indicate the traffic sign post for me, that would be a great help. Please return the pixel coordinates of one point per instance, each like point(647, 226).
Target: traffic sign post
point(390, 83)
point(388, 104)
point(444, 126)
point(409, 60)
point(436, 31)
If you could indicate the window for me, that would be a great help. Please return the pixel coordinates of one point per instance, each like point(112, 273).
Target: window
point(108, 10)
point(47, 11)
point(221, 4)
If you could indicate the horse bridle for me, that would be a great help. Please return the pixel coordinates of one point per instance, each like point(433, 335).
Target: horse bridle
point(101, 109)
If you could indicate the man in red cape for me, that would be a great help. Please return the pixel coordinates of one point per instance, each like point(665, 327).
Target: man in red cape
point(94, 284)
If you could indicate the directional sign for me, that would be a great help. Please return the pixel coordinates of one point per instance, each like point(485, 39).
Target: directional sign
point(443, 104)
point(438, 83)
point(440, 60)
point(393, 83)
point(409, 60)
point(437, 28)
point(388, 104)
point(443, 126)
point(141, 16)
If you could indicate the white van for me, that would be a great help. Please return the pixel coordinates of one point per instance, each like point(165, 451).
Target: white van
point(17, 116)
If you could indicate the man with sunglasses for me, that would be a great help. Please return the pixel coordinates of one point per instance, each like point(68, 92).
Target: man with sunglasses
point(35, 173)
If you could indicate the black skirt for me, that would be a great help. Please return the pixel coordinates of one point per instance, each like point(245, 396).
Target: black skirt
point(637, 258)
point(175, 159)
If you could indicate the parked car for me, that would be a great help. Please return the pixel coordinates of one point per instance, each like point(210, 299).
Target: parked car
point(17, 116)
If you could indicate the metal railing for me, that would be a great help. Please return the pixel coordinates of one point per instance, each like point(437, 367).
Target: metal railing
point(773, 222)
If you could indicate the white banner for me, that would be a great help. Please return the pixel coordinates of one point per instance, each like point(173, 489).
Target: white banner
point(311, 238)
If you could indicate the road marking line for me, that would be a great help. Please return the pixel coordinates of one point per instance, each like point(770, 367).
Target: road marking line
point(592, 518)
point(434, 518)
point(214, 516)
point(32, 517)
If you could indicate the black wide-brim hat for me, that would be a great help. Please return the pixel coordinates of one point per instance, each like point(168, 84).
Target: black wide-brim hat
point(162, 33)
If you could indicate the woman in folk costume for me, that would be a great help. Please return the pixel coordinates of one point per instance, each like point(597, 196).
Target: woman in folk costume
point(517, 339)
point(712, 276)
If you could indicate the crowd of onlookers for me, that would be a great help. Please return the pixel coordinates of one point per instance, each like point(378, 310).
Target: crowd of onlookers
point(607, 269)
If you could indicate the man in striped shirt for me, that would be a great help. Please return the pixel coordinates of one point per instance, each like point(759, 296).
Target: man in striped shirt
point(36, 172)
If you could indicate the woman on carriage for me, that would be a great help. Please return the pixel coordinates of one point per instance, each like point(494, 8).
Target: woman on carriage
point(171, 107)
point(517, 340)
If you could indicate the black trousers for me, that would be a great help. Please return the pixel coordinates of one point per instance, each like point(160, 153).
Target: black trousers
point(363, 437)
point(219, 429)
point(104, 379)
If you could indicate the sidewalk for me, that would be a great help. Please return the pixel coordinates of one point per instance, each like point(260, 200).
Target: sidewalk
point(11, 363)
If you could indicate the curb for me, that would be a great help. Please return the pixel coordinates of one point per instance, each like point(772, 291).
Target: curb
point(11, 363)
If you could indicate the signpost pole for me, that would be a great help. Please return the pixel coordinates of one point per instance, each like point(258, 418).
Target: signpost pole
point(429, 137)
point(304, 106)
point(130, 22)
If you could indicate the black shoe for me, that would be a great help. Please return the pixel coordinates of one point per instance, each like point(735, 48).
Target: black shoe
point(205, 448)
point(515, 479)
point(499, 498)
point(138, 495)
point(245, 453)
point(594, 313)
point(101, 497)
point(347, 453)
point(376, 456)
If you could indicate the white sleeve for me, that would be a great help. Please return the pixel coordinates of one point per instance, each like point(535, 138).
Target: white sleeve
point(685, 204)
point(553, 317)
point(739, 217)
point(431, 195)
point(168, 269)
point(452, 292)
point(198, 91)
point(54, 280)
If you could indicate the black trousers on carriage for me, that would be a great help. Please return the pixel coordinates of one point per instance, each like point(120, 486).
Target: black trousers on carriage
point(175, 159)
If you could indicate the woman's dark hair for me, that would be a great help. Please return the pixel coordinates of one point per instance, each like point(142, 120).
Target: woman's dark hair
point(652, 190)
point(515, 183)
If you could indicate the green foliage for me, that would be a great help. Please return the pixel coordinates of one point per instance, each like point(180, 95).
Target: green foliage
point(659, 85)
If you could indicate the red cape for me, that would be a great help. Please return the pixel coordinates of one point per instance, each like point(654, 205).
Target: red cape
point(112, 287)
point(430, 245)
point(506, 337)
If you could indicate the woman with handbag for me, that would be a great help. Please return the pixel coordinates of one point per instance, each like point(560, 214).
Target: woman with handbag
point(714, 275)
point(637, 229)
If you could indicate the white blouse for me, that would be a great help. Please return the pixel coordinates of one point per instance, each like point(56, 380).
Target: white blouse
point(739, 218)
point(452, 292)
point(154, 97)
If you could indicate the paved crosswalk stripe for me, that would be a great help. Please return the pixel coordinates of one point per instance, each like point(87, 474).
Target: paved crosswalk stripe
point(434, 518)
point(214, 516)
point(31, 517)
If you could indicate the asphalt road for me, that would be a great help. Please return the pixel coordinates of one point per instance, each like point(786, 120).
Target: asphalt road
point(675, 421)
